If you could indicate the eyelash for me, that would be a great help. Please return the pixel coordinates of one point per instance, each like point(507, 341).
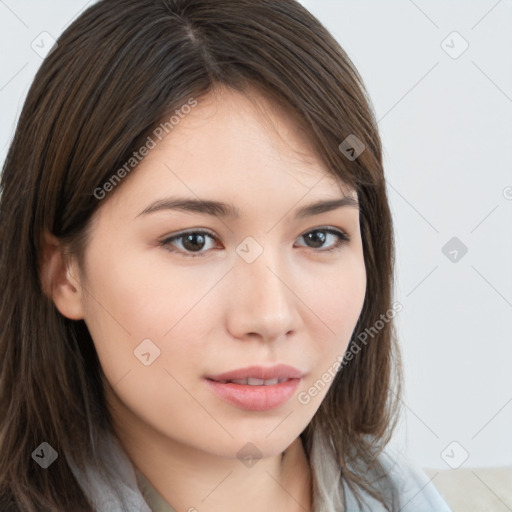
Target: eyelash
point(343, 239)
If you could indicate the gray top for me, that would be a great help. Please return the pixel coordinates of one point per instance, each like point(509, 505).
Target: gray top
point(133, 492)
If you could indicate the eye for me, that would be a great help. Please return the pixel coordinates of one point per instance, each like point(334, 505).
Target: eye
point(193, 241)
point(317, 240)
point(190, 241)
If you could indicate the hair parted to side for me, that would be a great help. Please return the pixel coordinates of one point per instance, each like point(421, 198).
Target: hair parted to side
point(117, 71)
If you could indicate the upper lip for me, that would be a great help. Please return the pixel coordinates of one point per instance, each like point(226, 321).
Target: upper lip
point(280, 371)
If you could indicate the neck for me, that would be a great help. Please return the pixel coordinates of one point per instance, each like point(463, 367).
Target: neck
point(191, 480)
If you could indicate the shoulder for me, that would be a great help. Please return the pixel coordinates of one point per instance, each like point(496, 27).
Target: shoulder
point(413, 490)
point(416, 491)
point(115, 488)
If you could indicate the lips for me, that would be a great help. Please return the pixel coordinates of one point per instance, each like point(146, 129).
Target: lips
point(259, 375)
point(254, 397)
point(256, 388)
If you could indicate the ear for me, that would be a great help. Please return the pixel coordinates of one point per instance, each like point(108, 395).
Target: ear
point(58, 275)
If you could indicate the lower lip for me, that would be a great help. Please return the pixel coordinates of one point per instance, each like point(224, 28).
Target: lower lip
point(255, 398)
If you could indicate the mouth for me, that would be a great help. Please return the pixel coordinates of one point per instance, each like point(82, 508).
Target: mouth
point(258, 375)
point(253, 394)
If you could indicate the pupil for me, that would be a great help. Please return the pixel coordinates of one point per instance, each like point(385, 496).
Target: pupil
point(318, 240)
point(192, 246)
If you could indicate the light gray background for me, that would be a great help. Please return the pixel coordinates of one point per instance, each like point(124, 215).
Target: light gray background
point(446, 127)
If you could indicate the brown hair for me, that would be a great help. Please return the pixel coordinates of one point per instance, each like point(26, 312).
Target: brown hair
point(117, 71)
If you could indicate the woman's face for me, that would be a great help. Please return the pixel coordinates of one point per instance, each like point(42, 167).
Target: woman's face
point(259, 288)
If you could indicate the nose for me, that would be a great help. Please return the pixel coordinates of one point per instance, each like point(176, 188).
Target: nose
point(263, 302)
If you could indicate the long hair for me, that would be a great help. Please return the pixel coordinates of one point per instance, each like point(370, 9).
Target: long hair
point(116, 72)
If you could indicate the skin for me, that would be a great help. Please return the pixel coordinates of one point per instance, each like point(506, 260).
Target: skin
point(295, 304)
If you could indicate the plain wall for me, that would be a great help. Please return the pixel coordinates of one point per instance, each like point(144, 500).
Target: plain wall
point(445, 120)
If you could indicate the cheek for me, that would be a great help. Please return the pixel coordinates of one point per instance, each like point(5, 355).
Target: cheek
point(339, 299)
point(133, 301)
point(150, 341)
point(336, 307)
point(140, 295)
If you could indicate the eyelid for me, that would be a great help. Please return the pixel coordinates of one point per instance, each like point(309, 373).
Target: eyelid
point(191, 230)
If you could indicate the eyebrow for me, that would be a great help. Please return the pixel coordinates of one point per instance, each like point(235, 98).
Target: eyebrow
point(225, 210)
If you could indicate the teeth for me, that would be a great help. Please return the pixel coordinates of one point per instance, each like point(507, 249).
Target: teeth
point(252, 381)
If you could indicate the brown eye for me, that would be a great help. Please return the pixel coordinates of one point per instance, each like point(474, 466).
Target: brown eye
point(318, 237)
point(192, 242)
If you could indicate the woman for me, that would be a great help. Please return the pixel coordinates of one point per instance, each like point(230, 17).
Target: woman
point(252, 369)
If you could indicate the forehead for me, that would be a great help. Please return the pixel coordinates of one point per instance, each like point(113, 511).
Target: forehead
point(236, 144)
